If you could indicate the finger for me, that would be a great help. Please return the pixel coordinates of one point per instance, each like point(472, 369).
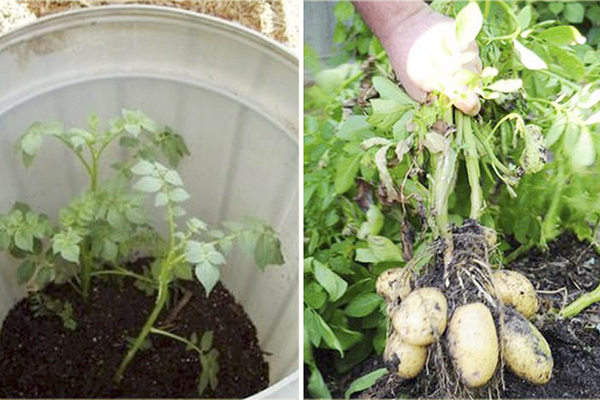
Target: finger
point(468, 104)
point(414, 91)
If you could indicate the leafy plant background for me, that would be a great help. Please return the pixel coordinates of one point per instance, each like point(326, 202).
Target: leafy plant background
point(535, 186)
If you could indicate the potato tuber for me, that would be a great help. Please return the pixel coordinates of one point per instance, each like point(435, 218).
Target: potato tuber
point(473, 344)
point(421, 317)
point(403, 358)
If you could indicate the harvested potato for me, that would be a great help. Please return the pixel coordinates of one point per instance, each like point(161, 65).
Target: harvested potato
point(394, 284)
point(516, 290)
point(526, 352)
point(421, 317)
point(473, 343)
point(402, 358)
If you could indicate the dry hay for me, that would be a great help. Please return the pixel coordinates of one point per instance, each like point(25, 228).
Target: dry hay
point(265, 16)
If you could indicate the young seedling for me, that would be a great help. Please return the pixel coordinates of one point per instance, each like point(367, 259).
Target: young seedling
point(195, 248)
point(209, 357)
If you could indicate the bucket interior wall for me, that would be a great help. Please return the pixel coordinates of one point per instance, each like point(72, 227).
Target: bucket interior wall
point(234, 98)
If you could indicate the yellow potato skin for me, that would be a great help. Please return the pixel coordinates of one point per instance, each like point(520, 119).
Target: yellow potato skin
point(473, 343)
point(404, 359)
point(393, 284)
point(516, 290)
point(526, 352)
point(421, 317)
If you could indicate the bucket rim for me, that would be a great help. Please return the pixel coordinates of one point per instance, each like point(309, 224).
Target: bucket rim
point(91, 15)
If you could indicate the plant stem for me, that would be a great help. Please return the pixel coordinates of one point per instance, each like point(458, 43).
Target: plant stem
point(124, 273)
point(86, 268)
point(444, 179)
point(161, 300)
point(176, 337)
point(549, 223)
point(522, 249)
point(581, 303)
point(164, 280)
point(472, 161)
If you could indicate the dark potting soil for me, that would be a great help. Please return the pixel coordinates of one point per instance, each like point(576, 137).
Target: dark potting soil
point(40, 358)
point(567, 270)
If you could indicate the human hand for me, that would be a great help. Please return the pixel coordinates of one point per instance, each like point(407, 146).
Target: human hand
point(426, 56)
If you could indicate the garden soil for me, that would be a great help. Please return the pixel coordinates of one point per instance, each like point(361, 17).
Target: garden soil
point(40, 358)
point(567, 270)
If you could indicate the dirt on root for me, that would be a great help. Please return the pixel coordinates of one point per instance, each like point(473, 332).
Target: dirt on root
point(562, 273)
point(40, 358)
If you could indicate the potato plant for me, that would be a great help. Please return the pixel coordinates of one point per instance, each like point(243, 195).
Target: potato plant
point(427, 196)
point(105, 227)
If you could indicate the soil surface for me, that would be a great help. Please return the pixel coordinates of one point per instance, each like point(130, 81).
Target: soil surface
point(567, 270)
point(40, 358)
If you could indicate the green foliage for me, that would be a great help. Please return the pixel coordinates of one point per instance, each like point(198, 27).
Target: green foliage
point(384, 178)
point(365, 382)
point(104, 227)
point(45, 306)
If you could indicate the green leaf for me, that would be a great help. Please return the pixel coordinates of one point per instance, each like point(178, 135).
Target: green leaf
point(67, 244)
point(161, 199)
point(207, 341)
point(363, 305)
point(268, 251)
point(179, 195)
point(44, 276)
point(25, 272)
point(524, 17)
point(316, 384)
point(562, 35)
point(314, 295)
point(574, 12)
point(584, 153)
point(24, 240)
point(183, 271)
point(110, 250)
point(556, 130)
point(388, 90)
point(365, 255)
point(386, 113)
point(384, 249)
point(353, 127)
point(365, 382)
point(208, 275)
point(149, 184)
point(143, 167)
point(215, 258)
point(556, 7)
point(173, 178)
point(468, 24)
point(571, 64)
point(329, 280)
point(373, 224)
point(346, 173)
point(327, 334)
point(178, 211)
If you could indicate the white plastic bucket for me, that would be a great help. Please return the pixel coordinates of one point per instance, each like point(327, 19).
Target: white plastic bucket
point(231, 93)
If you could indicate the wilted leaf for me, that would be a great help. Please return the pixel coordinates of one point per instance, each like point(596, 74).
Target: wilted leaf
point(468, 24)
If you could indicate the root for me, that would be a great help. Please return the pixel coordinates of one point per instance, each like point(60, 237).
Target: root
point(465, 277)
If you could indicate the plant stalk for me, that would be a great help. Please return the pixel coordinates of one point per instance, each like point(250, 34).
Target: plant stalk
point(472, 163)
point(581, 303)
point(161, 301)
point(86, 269)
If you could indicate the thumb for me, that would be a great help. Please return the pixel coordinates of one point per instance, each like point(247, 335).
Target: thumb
point(468, 104)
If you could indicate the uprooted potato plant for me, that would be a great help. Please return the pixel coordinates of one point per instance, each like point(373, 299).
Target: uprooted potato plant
point(416, 202)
